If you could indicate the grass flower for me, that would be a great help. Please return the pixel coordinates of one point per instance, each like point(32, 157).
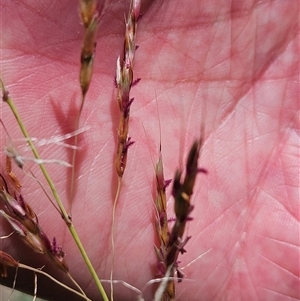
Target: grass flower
point(172, 243)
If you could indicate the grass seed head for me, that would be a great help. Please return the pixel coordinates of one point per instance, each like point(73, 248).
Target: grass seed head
point(181, 191)
point(124, 82)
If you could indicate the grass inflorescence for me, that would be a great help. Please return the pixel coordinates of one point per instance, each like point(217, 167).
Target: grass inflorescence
point(124, 82)
point(171, 241)
point(22, 217)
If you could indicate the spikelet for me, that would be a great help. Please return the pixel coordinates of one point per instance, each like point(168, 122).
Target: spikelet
point(90, 18)
point(6, 261)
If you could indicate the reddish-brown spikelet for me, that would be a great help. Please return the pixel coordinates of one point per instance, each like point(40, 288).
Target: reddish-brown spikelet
point(6, 261)
point(11, 175)
point(87, 11)
point(90, 18)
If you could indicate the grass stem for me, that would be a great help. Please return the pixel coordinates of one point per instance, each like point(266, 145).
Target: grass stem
point(113, 237)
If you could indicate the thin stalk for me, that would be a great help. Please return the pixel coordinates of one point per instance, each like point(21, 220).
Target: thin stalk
point(113, 238)
point(72, 192)
point(23, 266)
point(65, 216)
